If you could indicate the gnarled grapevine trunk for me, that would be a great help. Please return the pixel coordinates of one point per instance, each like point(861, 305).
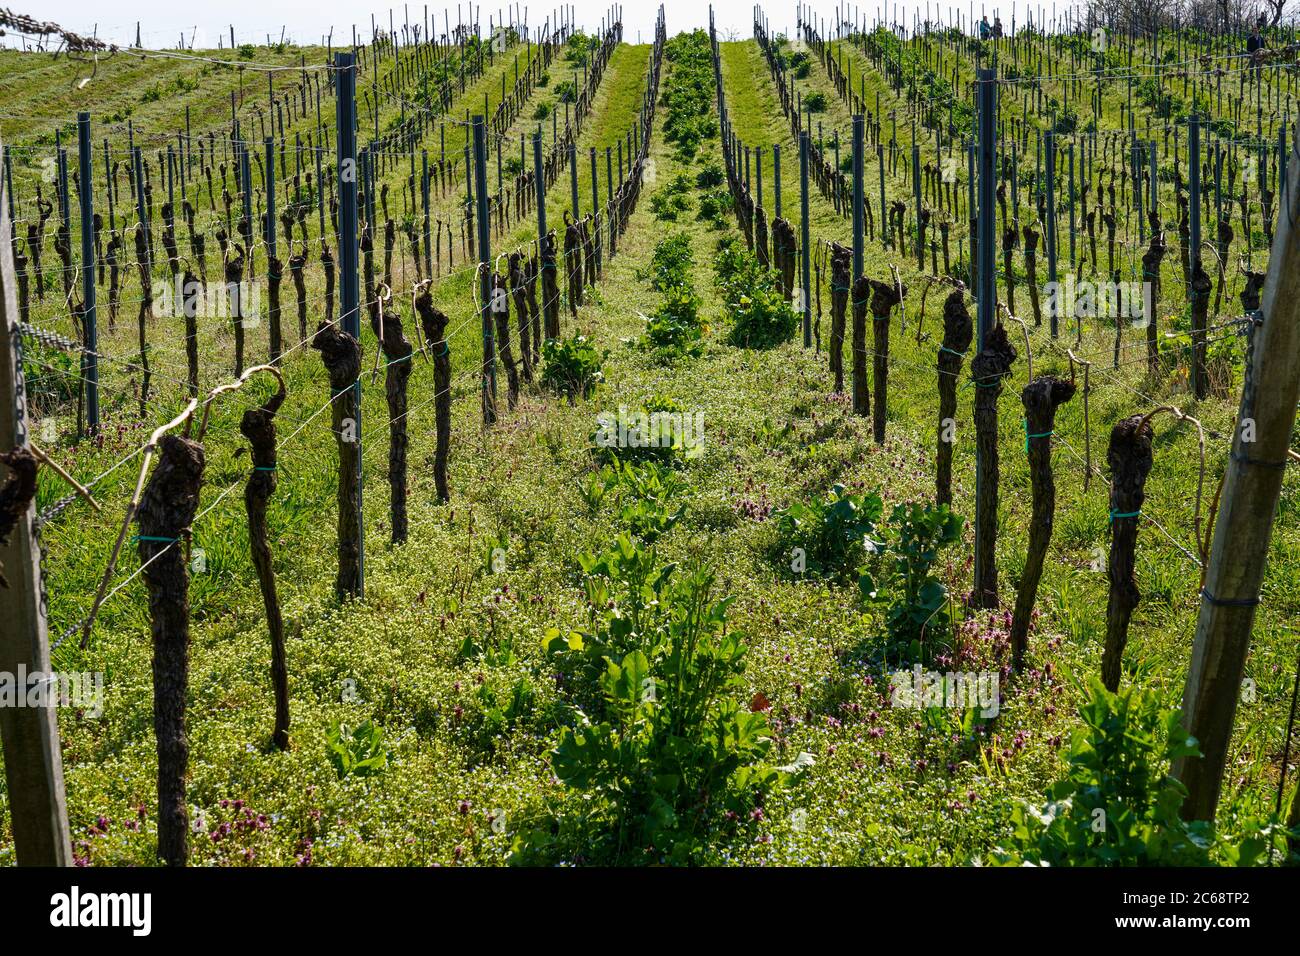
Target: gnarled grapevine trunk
point(534, 311)
point(258, 426)
point(1151, 260)
point(114, 278)
point(16, 493)
point(245, 228)
point(1184, 238)
point(615, 225)
point(286, 223)
point(1200, 296)
point(884, 296)
point(745, 211)
point(573, 263)
point(366, 246)
point(387, 327)
point(142, 319)
point(783, 251)
point(1090, 221)
point(198, 243)
point(957, 334)
point(550, 287)
point(167, 509)
point(296, 264)
point(861, 297)
point(501, 318)
point(390, 239)
point(36, 243)
point(841, 261)
point(63, 246)
point(97, 224)
point(20, 267)
point(274, 276)
point(413, 240)
point(190, 291)
point(1041, 398)
point(327, 263)
point(520, 297)
point(588, 249)
point(1224, 243)
point(988, 370)
point(1251, 290)
point(1031, 267)
point(1010, 239)
point(434, 324)
point(1130, 458)
point(169, 239)
point(341, 354)
point(234, 289)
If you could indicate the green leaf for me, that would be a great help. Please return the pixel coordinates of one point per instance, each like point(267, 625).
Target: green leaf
point(802, 762)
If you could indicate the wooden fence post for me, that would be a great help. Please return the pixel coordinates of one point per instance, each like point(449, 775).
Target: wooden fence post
point(1251, 489)
point(30, 735)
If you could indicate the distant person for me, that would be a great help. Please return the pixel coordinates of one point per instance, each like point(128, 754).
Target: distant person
point(997, 28)
point(985, 30)
point(1255, 47)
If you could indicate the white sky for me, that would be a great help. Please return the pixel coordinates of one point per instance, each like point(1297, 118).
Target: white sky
point(307, 21)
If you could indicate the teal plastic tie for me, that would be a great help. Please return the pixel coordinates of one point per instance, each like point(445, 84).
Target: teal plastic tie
point(1039, 435)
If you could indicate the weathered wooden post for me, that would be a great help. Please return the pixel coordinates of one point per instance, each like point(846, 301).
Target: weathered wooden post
point(1252, 486)
point(30, 735)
